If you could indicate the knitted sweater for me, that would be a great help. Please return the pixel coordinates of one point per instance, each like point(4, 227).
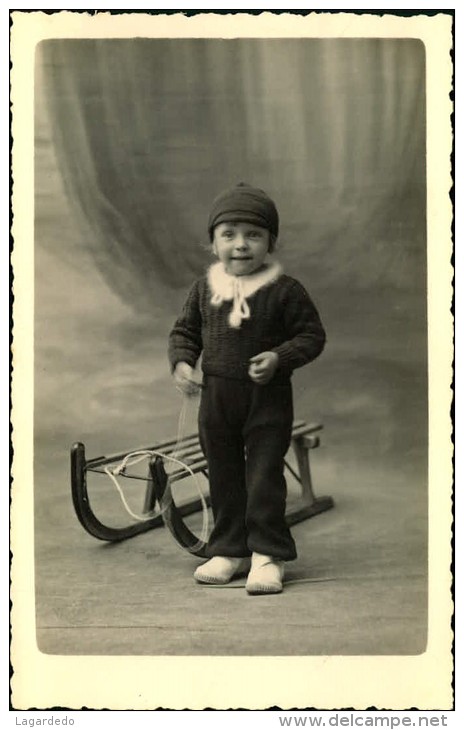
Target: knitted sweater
point(282, 318)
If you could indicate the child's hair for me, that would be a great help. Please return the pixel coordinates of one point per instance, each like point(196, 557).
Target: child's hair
point(246, 204)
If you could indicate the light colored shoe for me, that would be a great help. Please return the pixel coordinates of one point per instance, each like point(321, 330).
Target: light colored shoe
point(220, 570)
point(266, 575)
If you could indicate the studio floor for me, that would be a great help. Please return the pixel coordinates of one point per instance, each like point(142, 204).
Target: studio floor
point(358, 587)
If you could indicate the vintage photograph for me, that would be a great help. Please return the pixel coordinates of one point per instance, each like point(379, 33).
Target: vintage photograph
point(231, 338)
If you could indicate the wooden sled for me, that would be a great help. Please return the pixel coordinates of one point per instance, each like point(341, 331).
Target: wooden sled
point(304, 439)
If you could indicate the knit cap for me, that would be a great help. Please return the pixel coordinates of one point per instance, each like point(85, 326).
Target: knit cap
point(244, 203)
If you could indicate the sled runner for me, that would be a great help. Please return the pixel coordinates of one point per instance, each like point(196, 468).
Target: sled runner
point(188, 459)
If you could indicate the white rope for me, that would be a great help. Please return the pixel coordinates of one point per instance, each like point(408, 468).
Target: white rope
point(112, 475)
point(204, 534)
point(136, 457)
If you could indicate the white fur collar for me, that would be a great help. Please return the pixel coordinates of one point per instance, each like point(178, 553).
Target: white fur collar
point(225, 287)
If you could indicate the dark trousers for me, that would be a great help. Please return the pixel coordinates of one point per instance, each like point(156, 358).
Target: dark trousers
point(245, 432)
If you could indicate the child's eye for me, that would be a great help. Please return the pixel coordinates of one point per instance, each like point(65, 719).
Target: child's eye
point(254, 234)
point(227, 234)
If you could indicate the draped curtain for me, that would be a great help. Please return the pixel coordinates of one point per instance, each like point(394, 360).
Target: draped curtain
point(147, 131)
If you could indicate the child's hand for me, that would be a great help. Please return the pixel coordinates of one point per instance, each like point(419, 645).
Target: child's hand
point(184, 379)
point(262, 367)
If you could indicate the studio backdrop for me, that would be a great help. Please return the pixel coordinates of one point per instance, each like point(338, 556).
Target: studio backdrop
point(146, 132)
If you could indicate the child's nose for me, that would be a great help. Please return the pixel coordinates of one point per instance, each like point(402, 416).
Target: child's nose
point(241, 242)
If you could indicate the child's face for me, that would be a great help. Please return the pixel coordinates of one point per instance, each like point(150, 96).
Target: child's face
point(242, 247)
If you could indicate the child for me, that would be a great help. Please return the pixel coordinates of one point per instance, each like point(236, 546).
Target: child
point(253, 326)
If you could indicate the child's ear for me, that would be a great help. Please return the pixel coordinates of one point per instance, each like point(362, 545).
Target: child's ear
point(272, 243)
point(213, 248)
